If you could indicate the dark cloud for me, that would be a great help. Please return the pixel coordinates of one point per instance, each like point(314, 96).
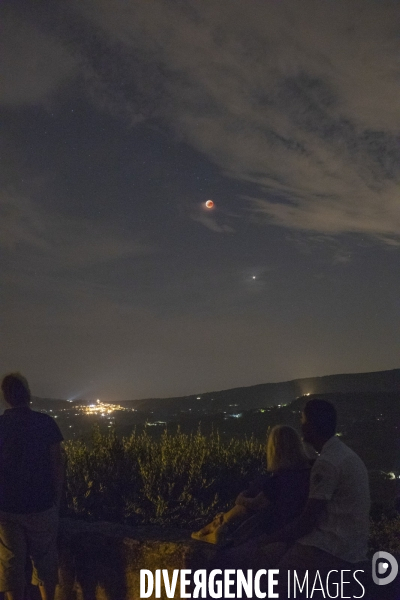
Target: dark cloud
point(58, 241)
point(122, 117)
point(299, 99)
point(33, 65)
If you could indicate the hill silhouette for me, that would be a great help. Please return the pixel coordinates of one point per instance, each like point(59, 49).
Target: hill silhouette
point(273, 394)
point(255, 396)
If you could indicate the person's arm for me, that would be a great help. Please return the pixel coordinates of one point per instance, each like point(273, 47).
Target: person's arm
point(323, 483)
point(256, 503)
point(243, 498)
point(57, 470)
point(307, 521)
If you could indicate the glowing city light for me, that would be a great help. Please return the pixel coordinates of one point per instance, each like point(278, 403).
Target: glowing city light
point(100, 408)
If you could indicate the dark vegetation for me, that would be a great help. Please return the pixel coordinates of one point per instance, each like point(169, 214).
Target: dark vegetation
point(180, 479)
point(183, 472)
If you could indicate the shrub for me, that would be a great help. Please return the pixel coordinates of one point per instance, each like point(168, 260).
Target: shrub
point(385, 534)
point(179, 479)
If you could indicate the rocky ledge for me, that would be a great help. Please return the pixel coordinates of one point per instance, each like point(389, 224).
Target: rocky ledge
point(101, 561)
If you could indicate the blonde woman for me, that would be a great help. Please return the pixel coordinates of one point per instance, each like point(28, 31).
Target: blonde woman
point(271, 501)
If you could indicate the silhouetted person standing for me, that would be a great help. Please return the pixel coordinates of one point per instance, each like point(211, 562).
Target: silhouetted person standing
point(31, 478)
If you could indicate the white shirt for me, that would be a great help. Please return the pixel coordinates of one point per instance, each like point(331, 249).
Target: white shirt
point(340, 477)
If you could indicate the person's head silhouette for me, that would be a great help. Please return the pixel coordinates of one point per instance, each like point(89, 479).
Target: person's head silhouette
point(16, 390)
point(318, 422)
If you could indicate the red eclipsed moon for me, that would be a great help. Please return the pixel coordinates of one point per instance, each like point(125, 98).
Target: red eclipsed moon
point(210, 204)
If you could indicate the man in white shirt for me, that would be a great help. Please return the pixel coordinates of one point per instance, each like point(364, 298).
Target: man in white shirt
point(332, 532)
point(339, 482)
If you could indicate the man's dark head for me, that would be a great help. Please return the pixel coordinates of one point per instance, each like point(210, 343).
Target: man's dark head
point(318, 421)
point(16, 390)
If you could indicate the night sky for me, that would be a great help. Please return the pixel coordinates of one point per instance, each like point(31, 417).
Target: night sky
point(120, 118)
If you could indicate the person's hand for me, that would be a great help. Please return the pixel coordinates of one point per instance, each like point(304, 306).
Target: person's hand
point(260, 501)
point(242, 499)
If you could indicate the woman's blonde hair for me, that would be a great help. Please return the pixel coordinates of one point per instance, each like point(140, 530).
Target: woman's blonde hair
point(284, 449)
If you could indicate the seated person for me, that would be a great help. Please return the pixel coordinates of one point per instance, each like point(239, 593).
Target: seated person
point(271, 501)
point(332, 532)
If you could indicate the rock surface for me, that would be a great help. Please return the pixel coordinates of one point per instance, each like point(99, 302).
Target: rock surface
point(101, 561)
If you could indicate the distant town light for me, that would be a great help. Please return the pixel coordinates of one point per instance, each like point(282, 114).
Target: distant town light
point(99, 408)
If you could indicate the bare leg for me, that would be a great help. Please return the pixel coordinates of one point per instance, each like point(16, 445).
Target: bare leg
point(212, 532)
point(236, 513)
point(47, 591)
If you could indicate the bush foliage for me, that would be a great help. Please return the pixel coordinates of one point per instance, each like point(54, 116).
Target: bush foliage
point(179, 479)
point(385, 534)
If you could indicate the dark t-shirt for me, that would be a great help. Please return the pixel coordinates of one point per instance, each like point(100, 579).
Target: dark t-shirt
point(287, 491)
point(26, 479)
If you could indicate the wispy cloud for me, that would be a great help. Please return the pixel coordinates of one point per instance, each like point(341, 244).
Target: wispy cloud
point(58, 241)
point(299, 99)
point(212, 218)
point(211, 223)
point(33, 65)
